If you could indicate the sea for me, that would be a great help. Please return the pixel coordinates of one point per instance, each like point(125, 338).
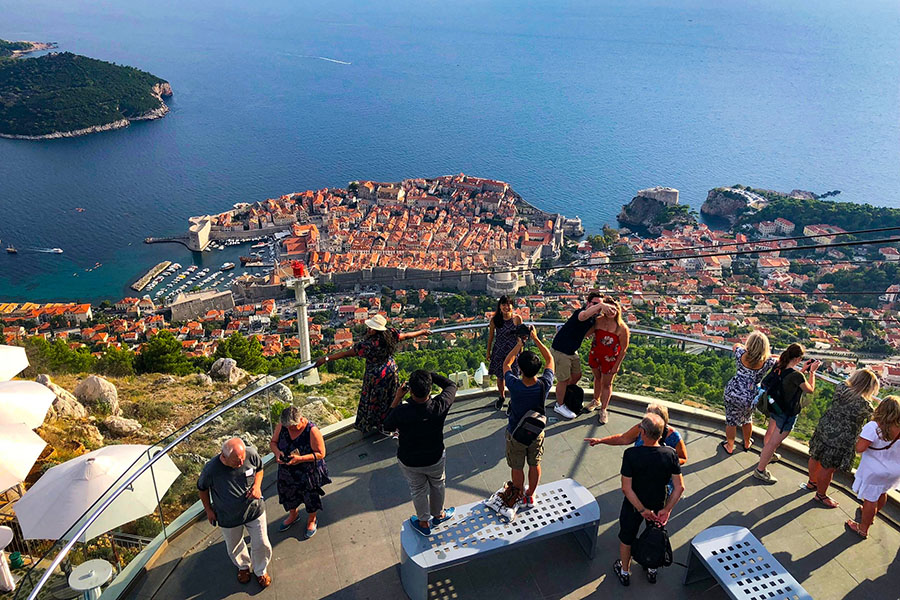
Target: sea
point(577, 104)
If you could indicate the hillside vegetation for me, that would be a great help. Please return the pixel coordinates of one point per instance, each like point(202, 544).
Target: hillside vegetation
point(806, 211)
point(67, 92)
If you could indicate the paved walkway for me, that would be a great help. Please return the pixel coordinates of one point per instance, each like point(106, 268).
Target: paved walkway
point(356, 551)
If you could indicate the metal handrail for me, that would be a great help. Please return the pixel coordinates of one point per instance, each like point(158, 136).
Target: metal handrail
point(209, 417)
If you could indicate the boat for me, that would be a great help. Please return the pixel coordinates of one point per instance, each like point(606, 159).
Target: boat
point(246, 259)
point(228, 265)
point(259, 245)
point(11, 249)
point(56, 250)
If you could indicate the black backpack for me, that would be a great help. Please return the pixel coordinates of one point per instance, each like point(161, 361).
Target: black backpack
point(652, 549)
point(574, 399)
point(773, 385)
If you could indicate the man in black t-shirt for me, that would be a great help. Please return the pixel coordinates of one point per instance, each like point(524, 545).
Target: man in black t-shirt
point(565, 350)
point(646, 471)
point(421, 452)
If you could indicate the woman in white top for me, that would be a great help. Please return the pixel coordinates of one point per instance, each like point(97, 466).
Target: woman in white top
point(879, 467)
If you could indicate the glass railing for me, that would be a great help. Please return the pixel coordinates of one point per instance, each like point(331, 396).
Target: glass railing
point(249, 414)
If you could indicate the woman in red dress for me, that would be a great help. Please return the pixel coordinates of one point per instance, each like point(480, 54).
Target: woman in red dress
point(611, 337)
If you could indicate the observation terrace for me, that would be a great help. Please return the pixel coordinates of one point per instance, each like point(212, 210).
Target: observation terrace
point(356, 552)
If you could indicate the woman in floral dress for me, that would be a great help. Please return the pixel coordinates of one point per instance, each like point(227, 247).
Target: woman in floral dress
point(833, 443)
point(611, 338)
point(753, 362)
point(300, 452)
point(380, 381)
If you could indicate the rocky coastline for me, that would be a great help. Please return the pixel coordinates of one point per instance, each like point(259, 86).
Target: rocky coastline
point(35, 47)
point(160, 90)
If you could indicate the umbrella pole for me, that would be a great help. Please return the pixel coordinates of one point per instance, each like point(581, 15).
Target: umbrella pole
point(112, 543)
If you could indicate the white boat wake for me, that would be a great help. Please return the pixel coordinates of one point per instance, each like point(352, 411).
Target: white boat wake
point(331, 60)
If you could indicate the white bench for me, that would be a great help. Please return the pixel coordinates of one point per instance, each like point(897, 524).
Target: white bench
point(563, 506)
point(741, 565)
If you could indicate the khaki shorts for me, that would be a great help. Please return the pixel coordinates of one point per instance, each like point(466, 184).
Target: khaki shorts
point(566, 365)
point(517, 454)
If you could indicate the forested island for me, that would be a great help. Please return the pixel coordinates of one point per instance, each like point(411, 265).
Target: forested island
point(66, 95)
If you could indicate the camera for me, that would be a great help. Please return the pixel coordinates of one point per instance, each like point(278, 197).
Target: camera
point(523, 331)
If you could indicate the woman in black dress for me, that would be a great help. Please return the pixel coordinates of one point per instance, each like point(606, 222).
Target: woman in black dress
point(502, 339)
point(300, 451)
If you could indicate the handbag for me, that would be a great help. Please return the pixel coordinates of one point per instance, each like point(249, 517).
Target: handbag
point(532, 423)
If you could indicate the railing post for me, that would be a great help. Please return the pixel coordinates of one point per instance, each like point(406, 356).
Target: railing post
point(162, 519)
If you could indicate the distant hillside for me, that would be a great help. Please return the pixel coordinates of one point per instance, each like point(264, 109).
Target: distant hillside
point(62, 95)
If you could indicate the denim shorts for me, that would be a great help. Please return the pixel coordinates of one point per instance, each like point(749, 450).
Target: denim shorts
point(784, 424)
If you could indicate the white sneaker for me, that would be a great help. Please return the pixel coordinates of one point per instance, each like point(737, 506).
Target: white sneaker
point(563, 411)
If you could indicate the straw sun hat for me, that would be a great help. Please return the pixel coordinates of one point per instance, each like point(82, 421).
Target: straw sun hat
point(378, 323)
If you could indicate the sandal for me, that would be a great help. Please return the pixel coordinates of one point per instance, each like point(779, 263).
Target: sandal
point(809, 486)
point(724, 444)
point(748, 448)
point(854, 527)
point(824, 499)
point(287, 524)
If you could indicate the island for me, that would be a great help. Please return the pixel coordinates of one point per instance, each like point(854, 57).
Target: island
point(66, 95)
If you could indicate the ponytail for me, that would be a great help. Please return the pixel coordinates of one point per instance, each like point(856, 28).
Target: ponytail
point(792, 352)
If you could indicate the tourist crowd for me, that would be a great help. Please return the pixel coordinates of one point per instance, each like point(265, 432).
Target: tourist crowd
point(651, 479)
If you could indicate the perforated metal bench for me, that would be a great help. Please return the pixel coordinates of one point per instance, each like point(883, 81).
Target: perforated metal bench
point(563, 506)
point(741, 565)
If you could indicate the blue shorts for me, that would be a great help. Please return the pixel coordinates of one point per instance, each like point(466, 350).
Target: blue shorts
point(784, 424)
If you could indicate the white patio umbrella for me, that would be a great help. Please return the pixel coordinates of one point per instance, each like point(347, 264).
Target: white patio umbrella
point(12, 361)
point(50, 508)
point(20, 447)
point(25, 402)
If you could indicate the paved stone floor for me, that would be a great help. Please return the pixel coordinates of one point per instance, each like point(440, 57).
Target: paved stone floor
point(356, 551)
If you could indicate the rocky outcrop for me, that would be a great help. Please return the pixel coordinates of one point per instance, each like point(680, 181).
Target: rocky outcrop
point(655, 209)
point(226, 369)
point(87, 434)
point(65, 405)
point(279, 391)
point(120, 426)
point(99, 395)
point(202, 379)
point(725, 203)
point(164, 381)
point(319, 411)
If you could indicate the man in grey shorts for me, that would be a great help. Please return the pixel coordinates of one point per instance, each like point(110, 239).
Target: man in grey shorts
point(526, 393)
point(231, 491)
point(565, 350)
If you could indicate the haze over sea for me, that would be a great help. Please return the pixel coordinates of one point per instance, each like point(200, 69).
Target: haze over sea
point(576, 104)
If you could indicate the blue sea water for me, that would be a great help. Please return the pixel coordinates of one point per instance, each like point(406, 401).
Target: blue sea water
point(576, 104)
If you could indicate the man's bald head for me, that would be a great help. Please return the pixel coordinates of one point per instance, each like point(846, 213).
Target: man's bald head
point(652, 426)
point(234, 452)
